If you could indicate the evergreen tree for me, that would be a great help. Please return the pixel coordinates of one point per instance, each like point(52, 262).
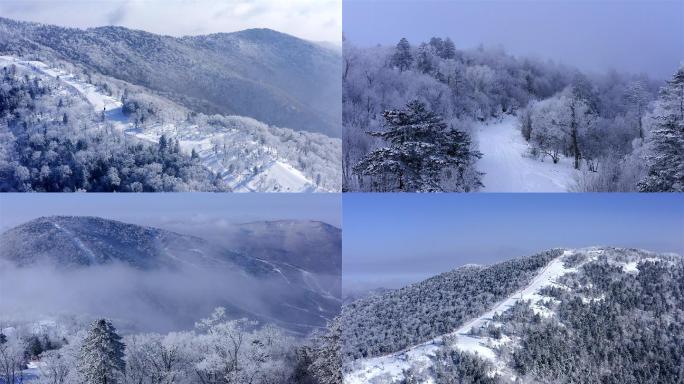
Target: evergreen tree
point(163, 143)
point(638, 97)
point(438, 44)
point(665, 155)
point(101, 359)
point(449, 49)
point(326, 366)
point(422, 151)
point(424, 59)
point(402, 58)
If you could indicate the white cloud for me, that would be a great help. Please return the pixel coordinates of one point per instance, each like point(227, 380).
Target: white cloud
point(317, 20)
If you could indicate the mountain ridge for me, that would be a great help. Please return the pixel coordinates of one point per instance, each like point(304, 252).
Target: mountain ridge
point(293, 80)
point(508, 339)
point(59, 246)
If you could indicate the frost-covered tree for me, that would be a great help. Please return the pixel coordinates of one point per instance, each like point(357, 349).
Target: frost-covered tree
point(326, 366)
point(558, 125)
point(665, 146)
point(424, 59)
point(423, 152)
point(449, 49)
point(638, 98)
point(402, 57)
point(12, 360)
point(238, 351)
point(101, 359)
point(55, 368)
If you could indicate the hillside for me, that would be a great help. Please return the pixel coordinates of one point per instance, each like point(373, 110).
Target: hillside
point(616, 313)
point(142, 266)
point(259, 73)
point(52, 107)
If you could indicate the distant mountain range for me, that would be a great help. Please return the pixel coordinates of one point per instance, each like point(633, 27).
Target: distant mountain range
point(298, 294)
point(260, 73)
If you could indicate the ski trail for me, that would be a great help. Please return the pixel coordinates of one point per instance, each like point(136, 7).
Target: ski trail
point(89, 253)
point(390, 368)
point(508, 170)
point(275, 175)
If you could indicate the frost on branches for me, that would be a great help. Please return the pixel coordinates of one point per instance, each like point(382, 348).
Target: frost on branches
point(665, 151)
point(102, 355)
point(424, 155)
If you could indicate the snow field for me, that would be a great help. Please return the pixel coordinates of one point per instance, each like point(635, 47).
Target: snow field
point(506, 167)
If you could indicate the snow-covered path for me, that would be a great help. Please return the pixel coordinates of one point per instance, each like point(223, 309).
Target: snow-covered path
point(508, 170)
point(275, 175)
point(389, 369)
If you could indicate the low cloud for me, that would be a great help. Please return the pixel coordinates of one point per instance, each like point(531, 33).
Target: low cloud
point(136, 300)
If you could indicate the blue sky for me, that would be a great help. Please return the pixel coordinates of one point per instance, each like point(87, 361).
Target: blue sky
point(393, 239)
point(162, 208)
point(629, 35)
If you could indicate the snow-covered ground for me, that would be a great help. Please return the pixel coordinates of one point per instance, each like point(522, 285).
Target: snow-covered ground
point(273, 173)
point(507, 168)
point(389, 369)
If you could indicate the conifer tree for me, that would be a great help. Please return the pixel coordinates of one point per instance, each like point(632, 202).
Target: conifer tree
point(448, 49)
point(101, 359)
point(665, 154)
point(422, 149)
point(402, 58)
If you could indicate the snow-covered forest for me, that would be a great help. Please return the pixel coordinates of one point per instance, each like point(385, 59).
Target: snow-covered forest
point(515, 123)
point(598, 314)
point(217, 350)
point(70, 125)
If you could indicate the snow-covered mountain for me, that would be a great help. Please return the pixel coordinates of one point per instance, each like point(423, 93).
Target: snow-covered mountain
point(597, 314)
point(251, 284)
point(238, 153)
point(260, 73)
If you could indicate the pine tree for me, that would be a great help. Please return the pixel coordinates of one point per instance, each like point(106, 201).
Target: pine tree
point(163, 143)
point(424, 59)
point(448, 49)
point(402, 58)
point(665, 155)
point(421, 150)
point(101, 359)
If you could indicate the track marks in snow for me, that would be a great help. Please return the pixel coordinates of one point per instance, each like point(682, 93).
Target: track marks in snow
point(274, 174)
point(89, 253)
point(506, 167)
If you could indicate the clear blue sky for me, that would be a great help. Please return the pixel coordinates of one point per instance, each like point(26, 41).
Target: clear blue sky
point(393, 239)
point(632, 36)
point(158, 208)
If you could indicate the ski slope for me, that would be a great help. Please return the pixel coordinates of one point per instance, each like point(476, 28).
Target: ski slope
point(508, 169)
point(273, 175)
point(390, 369)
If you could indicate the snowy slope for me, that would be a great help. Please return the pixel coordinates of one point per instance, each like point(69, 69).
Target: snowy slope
point(506, 167)
point(273, 173)
point(390, 368)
